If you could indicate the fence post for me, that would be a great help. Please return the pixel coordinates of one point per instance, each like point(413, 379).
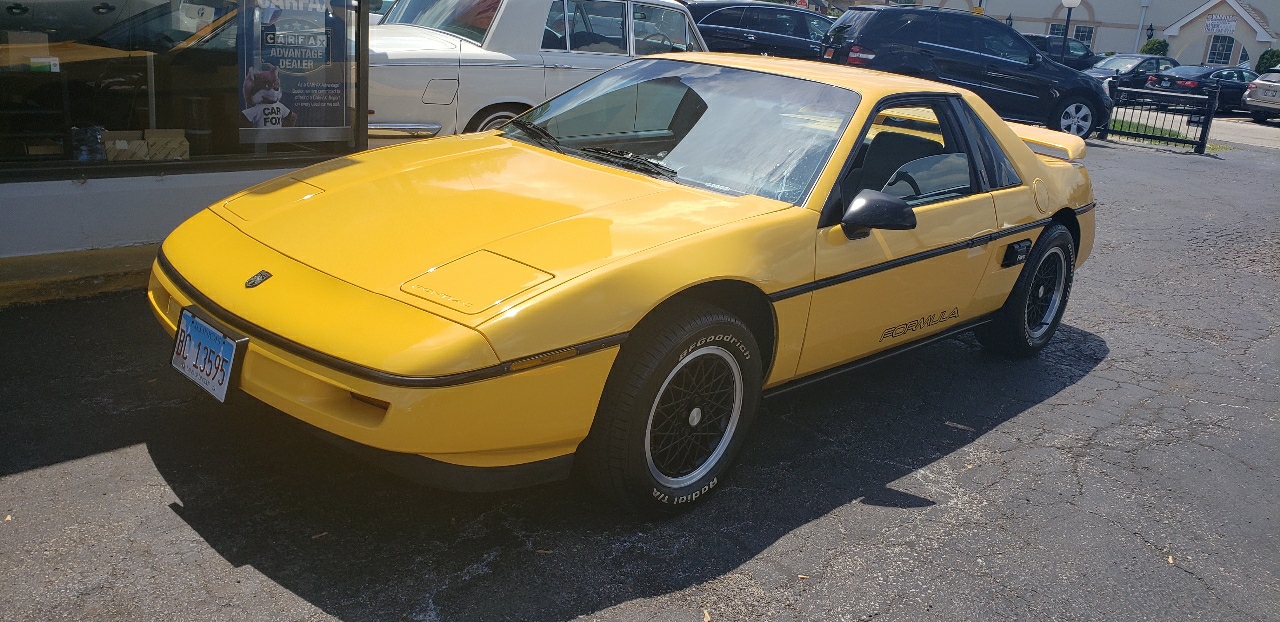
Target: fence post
point(1211, 106)
point(1103, 131)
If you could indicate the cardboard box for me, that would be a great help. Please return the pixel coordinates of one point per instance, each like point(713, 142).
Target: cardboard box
point(44, 147)
point(167, 145)
point(124, 146)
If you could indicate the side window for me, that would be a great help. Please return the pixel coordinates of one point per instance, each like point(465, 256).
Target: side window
point(597, 26)
point(1077, 49)
point(1000, 171)
point(1166, 64)
point(957, 32)
point(817, 27)
point(1001, 42)
point(911, 152)
point(907, 26)
point(658, 30)
point(553, 34)
point(1248, 76)
point(772, 21)
point(1147, 65)
point(731, 17)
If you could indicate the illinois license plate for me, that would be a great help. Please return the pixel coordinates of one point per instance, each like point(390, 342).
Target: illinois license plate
point(828, 53)
point(1269, 93)
point(207, 355)
point(1164, 83)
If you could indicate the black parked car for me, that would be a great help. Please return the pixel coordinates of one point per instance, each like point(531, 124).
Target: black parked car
point(974, 52)
point(1078, 55)
point(1130, 70)
point(1196, 80)
point(761, 28)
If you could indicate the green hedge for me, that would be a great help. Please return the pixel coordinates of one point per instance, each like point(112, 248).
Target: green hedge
point(1159, 47)
point(1268, 60)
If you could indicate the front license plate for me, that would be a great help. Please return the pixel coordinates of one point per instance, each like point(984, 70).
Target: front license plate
point(207, 355)
point(829, 53)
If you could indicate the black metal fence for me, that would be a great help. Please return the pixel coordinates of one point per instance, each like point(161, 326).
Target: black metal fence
point(1162, 118)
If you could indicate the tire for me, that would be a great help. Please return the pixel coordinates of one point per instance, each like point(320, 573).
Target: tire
point(1075, 115)
point(675, 409)
point(494, 116)
point(1031, 315)
point(1259, 116)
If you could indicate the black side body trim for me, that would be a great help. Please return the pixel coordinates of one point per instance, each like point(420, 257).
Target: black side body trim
point(446, 476)
point(874, 358)
point(356, 369)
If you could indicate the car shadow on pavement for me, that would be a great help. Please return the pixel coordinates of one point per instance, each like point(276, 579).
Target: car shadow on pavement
point(360, 544)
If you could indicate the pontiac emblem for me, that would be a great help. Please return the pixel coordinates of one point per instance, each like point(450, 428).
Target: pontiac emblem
point(257, 279)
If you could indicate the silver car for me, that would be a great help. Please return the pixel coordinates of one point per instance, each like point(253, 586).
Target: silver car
point(1262, 96)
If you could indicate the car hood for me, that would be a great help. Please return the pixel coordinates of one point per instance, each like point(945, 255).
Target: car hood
point(458, 225)
point(391, 42)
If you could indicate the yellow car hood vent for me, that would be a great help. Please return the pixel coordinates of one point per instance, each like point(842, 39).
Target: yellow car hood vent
point(475, 282)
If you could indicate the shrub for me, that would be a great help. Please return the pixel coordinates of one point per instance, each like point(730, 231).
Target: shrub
point(1268, 60)
point(1159, 47)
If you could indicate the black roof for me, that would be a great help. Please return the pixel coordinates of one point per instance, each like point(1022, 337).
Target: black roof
point(701, 8)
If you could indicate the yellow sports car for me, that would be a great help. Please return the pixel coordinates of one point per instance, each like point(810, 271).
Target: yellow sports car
point(609, 282)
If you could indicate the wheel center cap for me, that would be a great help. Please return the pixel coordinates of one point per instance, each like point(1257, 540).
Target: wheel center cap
point(695, 416)
point(1040, 292)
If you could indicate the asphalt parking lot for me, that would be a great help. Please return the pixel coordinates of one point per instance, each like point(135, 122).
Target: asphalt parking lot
point(1131, 472)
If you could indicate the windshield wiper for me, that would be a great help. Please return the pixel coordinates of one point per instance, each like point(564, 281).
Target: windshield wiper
point(537, 133)
point(632, 161)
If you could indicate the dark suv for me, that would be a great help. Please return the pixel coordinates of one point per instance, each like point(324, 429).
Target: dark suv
point(974, 52)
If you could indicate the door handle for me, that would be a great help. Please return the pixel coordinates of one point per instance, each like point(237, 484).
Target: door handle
point(103, 9)
point(16, 9)
point(751, 37)
point(559, 66)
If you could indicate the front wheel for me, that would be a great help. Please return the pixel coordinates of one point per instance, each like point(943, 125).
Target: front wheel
point(1075, 115)
point(1031, 315)
point(675, 409)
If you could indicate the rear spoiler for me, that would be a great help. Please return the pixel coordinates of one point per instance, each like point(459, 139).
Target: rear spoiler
point(1045, 141)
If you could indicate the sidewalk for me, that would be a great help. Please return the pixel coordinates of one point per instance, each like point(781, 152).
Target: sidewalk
point(1237, 127)
point(59, 276)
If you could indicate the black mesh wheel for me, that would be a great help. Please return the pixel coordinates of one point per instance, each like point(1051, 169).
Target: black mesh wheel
point(676, 406)
point(1033, 311)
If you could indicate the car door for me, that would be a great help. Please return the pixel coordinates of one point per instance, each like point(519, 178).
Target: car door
point(723, 31)
point(1021, 86)
point(879, 289)
point(1138, 77)
point(770, 29)
point(590, 37)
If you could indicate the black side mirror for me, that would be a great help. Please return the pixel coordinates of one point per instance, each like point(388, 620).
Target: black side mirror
point(876, 210)
point(1036, 60)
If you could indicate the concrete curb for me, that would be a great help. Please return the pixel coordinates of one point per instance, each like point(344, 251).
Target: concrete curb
point(62, 276)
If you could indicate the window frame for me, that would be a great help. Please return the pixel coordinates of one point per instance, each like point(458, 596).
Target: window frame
point(952, 128)
point(1213, 41)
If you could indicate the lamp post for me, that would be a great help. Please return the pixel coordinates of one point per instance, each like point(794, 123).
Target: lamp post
point(1151, 31)
point(1008, 21)
point(1070, 4)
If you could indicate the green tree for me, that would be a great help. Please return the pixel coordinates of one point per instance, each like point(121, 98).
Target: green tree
point(1268, 60)
point(1159, 47)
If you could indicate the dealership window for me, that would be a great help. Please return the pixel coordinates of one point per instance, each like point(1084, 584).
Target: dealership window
point(1220, 49)
point(89, 83)
point(1057, 30)
point(1084, 34)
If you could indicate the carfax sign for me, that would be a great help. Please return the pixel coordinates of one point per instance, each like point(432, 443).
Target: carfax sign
point(293, 59)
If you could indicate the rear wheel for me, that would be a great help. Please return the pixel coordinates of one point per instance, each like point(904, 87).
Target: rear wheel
point(494, 117)
point(675, 409)
point(1259, 116)
point(1075, 115)
point(1031, 315)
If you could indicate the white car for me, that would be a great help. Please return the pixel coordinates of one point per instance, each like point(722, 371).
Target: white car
point(440, 67)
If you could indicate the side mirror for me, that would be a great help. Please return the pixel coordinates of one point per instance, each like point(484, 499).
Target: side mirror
point(1036, 60)
point(876, 210)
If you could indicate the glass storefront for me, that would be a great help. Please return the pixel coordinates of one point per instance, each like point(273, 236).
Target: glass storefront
point(101, 82)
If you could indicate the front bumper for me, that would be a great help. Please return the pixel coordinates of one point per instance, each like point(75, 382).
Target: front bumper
point(532, 418)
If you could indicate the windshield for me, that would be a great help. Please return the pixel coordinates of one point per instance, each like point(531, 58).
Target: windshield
point(469, 19)
point(1118, 63)
point(729, 130)
point(1187, 71)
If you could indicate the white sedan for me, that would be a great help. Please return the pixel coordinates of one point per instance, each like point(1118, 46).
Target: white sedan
point(440, 67)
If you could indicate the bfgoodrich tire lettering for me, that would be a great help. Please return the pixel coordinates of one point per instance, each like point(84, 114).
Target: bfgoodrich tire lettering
point(1031, 315)
point(675, 409)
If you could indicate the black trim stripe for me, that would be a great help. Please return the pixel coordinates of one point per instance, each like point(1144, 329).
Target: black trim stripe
point(355, 369)
point(880, 356)
point(981, 240)
point(1086, 208)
